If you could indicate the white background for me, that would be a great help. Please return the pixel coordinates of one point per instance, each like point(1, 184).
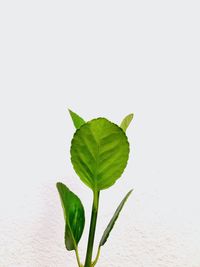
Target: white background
point(100, 58)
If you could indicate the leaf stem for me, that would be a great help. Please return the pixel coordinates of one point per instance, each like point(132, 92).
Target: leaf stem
point(77, 257)
point(88, 260)
point(97, 257)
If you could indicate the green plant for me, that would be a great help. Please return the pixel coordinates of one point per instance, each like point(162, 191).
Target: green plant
point(99, 155)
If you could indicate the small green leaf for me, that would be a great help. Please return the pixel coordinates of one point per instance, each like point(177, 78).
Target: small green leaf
point(74, 216)
point(126, 121)
point(77, 120)
point(99, 153)
point(113, 220)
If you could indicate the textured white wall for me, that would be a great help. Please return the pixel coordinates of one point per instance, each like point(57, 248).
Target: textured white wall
point(105, 58)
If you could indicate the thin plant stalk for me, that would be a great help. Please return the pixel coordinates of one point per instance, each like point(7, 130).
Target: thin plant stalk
point(95, 206)
point(97, 257)
point(77, 257)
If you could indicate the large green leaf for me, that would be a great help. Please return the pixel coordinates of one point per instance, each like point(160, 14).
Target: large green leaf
point(74, 216)
point(113, 220)
point(99, 153)
point(77, 120)
point(126, 121)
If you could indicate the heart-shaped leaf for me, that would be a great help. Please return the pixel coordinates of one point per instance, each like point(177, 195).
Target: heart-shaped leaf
point(77, 120)
point(113, 220)
point(126, 121)
point(99, 153)
point(74, 216)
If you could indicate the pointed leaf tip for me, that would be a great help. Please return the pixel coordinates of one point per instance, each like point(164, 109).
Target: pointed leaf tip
point(77, 120)
point(126, 122)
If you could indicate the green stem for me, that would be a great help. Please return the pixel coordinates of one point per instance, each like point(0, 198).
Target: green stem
point(97, 257)
point(77, 257)
point(88, 260)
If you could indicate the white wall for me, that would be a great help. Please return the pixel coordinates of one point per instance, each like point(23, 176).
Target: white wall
point(100, 58)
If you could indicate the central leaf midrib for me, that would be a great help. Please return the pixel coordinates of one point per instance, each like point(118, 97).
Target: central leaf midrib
point(98, 141)
point(96, 169)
